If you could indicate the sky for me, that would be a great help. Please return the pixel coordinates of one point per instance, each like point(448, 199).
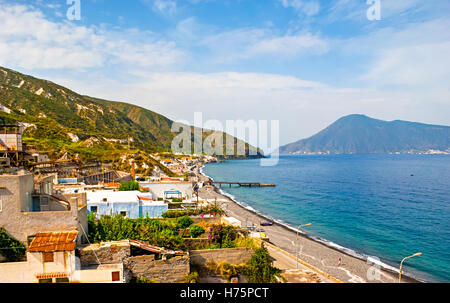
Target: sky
point(305, 63)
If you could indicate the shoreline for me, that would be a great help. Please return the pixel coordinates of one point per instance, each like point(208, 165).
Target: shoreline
point(353, 262)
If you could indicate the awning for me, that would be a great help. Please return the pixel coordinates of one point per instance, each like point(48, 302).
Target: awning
point(145, 198)
point(172, 192)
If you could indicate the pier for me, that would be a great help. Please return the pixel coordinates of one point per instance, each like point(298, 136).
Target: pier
point(245, 184)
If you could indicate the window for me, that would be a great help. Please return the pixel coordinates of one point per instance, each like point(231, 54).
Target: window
point(48, 257)
point(44, 204)
point(45, 280)
point(94, 209)
point(123, 213)
point(115, 276)
point(62, 280)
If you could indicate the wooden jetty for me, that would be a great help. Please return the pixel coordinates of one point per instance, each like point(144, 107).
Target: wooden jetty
point(245, 184)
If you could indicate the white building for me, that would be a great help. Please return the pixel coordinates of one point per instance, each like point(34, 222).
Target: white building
point(51, 259)
point(170, 189)
point(130, 204)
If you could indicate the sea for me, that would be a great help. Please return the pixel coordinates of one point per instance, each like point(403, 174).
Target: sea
point(383, 206)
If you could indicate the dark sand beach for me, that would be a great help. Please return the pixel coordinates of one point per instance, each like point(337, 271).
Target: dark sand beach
point(326, 258)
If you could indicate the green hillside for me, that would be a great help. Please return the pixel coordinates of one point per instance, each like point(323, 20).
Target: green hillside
point(61, 121)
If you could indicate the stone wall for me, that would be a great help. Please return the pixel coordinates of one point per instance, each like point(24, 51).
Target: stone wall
point(164, 271)
point(230, 255)
point(213, 220)
point(106, 252)
point(195, 243)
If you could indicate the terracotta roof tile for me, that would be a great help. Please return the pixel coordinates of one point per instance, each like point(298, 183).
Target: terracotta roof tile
point(54, 241)
point(52, 275)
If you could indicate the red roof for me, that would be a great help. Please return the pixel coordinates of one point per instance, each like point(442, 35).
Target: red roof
point(54, 241)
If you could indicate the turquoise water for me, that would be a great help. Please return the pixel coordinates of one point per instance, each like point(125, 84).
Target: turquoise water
point(368, 203)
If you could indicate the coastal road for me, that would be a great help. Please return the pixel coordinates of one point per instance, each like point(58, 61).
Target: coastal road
point(323, 257)
point(289, 266)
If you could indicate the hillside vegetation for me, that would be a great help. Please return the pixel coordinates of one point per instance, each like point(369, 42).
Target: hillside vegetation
point(62, 122)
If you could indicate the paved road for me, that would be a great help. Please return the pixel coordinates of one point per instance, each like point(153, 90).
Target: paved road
point(287, 263)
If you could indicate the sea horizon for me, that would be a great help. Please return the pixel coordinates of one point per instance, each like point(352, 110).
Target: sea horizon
point(336, 206)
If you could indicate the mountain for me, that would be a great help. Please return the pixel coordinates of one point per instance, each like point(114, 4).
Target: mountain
point(359, 134)
point(61, 121)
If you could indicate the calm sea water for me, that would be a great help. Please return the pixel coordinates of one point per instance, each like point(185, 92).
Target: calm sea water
point(368, 203)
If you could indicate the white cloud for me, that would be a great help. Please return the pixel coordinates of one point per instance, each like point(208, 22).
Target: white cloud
point(420, 65)
point(415, 56)
point(302, 107)
point(165, 6)
point(290, 45)
point(356, 10)
point(302, 7)
point(245, 43)
point(28, 40)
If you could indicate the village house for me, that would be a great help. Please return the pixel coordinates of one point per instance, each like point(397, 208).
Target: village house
point(130, 204)
point(29, 206)
point(169, 189)
point(51, 258)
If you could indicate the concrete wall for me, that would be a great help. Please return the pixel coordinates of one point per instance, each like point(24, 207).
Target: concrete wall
point(99, 274)
point(16, 216)
point(25, 272)
point(64, 262)
point(230, 255)
point(165, 271)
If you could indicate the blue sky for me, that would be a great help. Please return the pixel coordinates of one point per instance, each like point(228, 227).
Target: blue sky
point(303, 62)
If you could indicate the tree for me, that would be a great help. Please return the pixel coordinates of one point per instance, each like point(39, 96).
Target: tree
point(12, 249)
point(260, 267)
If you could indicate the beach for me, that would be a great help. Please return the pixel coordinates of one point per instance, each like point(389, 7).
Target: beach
point(350, 268)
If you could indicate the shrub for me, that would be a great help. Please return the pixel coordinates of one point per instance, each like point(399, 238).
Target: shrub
point(229, 244)
point(180, 213)
point(227, 270)
point(247, 242)
point(130, 185)
point(196, 231)
point(154, 232)
point(192, 278)
point(184, 222)
point(13, 250)
point(220, 234)
point(145, 280)
point(214, 246)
